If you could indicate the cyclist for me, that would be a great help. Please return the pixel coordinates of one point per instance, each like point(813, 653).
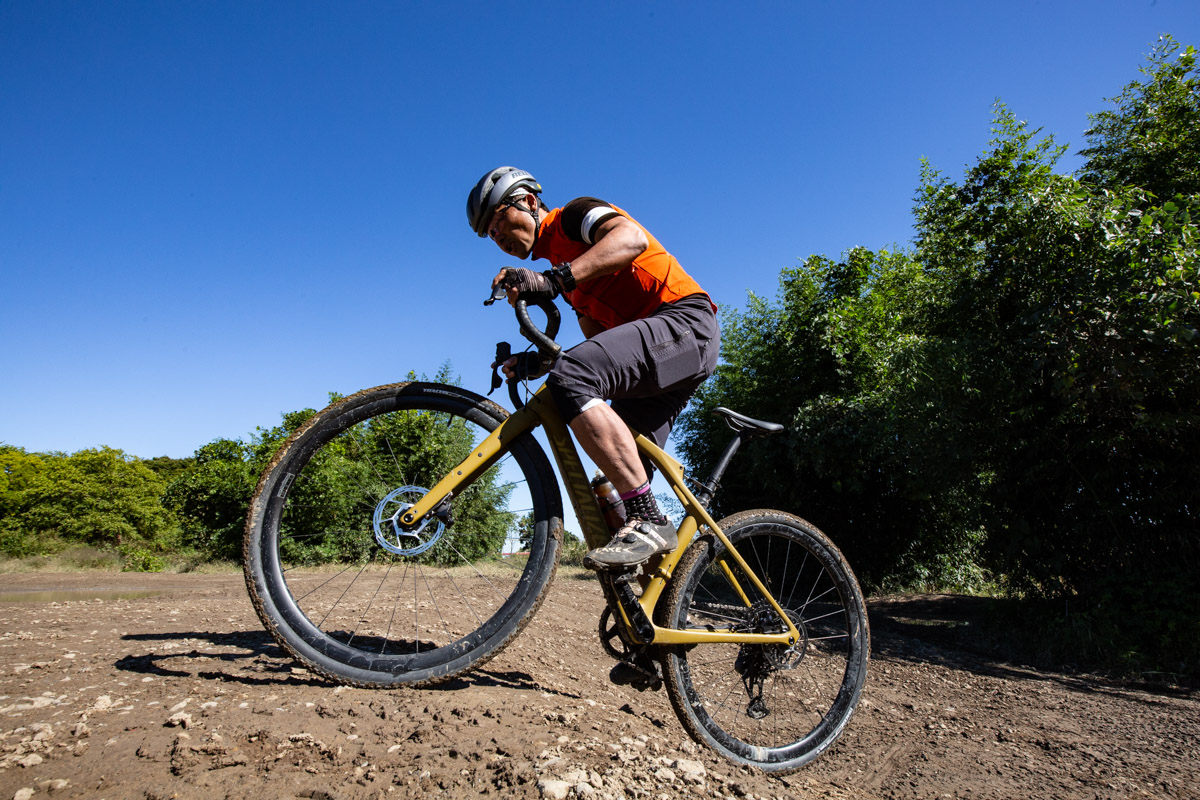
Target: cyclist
point(651, 336)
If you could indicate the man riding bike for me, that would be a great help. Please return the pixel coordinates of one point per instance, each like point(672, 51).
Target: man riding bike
point(652, 336)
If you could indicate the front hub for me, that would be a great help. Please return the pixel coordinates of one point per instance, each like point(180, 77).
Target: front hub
point(389, 533)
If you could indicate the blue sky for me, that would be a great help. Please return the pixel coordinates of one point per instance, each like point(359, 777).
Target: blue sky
point(212, 213)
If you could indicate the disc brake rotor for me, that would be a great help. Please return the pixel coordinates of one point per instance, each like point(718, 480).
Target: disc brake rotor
point(391, 536)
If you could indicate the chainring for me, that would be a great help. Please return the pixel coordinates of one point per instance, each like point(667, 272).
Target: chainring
point(610, 637)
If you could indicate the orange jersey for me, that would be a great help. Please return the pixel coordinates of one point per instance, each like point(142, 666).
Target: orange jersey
point(630, 293)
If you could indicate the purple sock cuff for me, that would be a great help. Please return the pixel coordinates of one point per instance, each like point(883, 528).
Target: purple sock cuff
point(641, 490)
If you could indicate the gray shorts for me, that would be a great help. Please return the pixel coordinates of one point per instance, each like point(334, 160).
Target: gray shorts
point(648, 368)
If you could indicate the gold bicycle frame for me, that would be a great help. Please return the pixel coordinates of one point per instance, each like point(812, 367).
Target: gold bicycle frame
point(540, 410)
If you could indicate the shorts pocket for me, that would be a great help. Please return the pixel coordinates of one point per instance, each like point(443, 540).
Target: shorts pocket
point(676, 359)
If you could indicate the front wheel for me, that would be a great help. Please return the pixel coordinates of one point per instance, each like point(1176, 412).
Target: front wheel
point(768, 706)
point(359, 598)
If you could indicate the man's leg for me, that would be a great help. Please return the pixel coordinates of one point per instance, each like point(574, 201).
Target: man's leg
point(646, 360)
point(607, 441)
point(605, 437)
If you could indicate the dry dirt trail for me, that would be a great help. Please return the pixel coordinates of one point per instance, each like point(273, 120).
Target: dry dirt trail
point(174, 690)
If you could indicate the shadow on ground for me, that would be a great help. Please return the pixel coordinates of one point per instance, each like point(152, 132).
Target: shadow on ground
point(968, 633)
point(263, 662)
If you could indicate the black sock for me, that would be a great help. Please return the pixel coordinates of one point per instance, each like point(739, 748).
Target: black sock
point(641, 504)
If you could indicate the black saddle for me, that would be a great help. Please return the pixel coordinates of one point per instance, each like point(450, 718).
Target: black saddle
point(740, 423)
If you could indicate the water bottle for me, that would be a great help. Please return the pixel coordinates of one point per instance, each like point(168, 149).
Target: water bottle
point(611, 504)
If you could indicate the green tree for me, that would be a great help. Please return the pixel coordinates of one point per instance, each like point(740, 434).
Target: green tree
point(328, 517)
point(843, 358)
point(525, 532)
point(1021, 391)
point(212, 497)
point(19, 472)
point(99, 497)
point(169, 468)
point(1150, 139)
point(1076, 312)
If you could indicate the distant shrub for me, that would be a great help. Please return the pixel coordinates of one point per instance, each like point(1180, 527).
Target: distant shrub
point(139, 559)
point(573, 550)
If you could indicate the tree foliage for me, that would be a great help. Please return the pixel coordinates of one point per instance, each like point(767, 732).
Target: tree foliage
point(99, 497)
point(1150, 139)
point(1019, 392)
point(328, 517)
point(211, 498)
point(169, 468)
point(106, 499)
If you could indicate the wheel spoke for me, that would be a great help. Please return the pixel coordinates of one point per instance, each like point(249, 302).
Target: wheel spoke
point(357, 589)
point(761, 703)
point(366, 611)
point(339, 600)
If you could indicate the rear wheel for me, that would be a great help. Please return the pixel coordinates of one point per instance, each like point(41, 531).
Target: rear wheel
point(357, 598)
point(769, 706)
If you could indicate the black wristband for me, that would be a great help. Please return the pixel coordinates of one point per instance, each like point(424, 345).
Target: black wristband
point(565, 278)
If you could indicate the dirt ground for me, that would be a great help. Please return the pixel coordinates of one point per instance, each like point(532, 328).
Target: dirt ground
point(161, 686)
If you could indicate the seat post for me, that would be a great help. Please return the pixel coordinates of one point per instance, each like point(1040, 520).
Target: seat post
point(708, 489)
point(744, 427)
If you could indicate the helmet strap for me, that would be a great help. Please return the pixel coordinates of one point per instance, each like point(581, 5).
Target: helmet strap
point(533, 212)
point(537, 224)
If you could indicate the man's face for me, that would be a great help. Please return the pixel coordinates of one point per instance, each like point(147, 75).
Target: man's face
point(512, 227)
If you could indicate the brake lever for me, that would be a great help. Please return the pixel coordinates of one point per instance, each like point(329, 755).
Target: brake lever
point(548, 349)
point(503, 353)
point(499, 292)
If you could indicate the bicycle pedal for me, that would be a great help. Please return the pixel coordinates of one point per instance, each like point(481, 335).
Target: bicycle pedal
point(626, 673)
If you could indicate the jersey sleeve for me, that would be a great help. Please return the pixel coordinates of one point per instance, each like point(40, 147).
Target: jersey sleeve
point(583, 216)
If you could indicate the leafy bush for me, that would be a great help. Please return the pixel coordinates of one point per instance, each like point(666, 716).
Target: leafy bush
point(1018, 396)
point(211, 498)
point(140, 559)
point(573, 550)
point(324, 520)
point(97, 497)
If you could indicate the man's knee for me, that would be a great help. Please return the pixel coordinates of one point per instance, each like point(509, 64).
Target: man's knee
point(577, 379)
point(570, 397)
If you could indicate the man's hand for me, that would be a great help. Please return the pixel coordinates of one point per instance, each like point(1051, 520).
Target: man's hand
point(525, 283)
point(513, 369)
point(509, 368)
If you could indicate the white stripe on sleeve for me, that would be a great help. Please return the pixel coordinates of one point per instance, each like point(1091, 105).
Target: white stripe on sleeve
point(594, 218)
